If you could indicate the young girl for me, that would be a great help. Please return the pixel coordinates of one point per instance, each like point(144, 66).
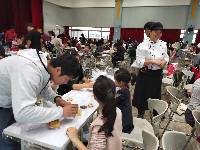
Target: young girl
point(106, 129)
point(122, 78)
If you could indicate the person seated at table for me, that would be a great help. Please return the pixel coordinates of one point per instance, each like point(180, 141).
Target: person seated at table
point(194, 103)
point(75, 84)
point(106, 129)
point(2, 52)
point(119, 54)
point(122, 78)
point(87, 50)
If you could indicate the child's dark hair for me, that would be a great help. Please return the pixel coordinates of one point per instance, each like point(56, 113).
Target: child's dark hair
point(122, 75)
point(104, 89)
point(68, 63)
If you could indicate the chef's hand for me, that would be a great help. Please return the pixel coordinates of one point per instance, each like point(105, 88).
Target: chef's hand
point(61, 102)
point(160, 62)
point(70, 110)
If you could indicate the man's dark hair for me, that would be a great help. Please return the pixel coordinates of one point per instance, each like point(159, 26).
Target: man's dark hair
point(2, 51)
point(156, 26)
point(52, 33)
point(29, 25)
point(68, 63)
point(148, 25)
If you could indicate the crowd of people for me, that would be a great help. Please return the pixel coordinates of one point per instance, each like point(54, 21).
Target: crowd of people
point(27, 75)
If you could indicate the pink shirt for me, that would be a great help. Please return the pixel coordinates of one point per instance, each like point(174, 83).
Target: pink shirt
point(98, 141)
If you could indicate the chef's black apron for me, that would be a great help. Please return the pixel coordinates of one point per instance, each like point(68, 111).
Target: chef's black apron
point(148, 85)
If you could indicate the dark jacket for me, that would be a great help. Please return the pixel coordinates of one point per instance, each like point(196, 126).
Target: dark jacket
point(65, 88)
point(124, 104)
point(119, 54)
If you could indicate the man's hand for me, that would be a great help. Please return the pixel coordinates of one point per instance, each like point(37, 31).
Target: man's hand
point(70, 110)
point(61, 102)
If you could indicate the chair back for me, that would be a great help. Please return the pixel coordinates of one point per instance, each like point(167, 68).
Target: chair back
point(160, 107)
point(174, 100)
point(196, 115)
point(173, 140)
point(150, 141)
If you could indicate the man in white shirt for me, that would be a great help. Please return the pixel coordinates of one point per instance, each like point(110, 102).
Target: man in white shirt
point(23, 78)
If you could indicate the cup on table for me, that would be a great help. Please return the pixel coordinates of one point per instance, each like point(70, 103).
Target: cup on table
point(75, 106)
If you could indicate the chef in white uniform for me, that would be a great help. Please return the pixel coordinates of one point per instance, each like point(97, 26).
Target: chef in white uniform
point(151, 57)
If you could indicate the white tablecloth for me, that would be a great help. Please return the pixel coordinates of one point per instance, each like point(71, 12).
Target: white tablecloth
point(97, 73)
point(55, 139)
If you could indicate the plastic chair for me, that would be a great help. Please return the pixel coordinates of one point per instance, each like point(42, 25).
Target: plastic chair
point(176, 113)
point(175, 102)
point(196, 129)
point(186, 78)
point(173, 140)
point(188, 74)
point(150, 141)
point(196, 115)
point(160, 107)
point(136, 135)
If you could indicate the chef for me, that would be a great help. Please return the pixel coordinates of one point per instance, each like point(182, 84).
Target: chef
point(151, 57)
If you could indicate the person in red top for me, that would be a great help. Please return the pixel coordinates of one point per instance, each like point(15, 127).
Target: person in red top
point(10, 36)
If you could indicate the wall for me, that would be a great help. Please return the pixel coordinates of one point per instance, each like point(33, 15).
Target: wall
point(53, 15)
point(93, 17)
point(172, 17)
point(111, 3)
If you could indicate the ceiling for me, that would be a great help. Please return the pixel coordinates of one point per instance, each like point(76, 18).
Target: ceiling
point(111, 3)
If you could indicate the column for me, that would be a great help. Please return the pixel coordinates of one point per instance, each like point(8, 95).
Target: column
point(117, 20)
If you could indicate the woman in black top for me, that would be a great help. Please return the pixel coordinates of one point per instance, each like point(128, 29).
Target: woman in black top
point(119, 54)
point(74, 84)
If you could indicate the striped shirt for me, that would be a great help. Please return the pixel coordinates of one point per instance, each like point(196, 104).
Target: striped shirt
point(98, 140)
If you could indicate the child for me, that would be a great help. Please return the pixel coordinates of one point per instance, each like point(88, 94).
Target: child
point(122, 78)
point(106, 129)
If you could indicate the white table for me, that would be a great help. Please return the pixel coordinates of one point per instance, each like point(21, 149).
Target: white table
point(97, 73)
point(55, 139)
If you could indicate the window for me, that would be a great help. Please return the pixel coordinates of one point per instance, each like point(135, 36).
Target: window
point(182, 34)
point(194, 36)
point(90, 32)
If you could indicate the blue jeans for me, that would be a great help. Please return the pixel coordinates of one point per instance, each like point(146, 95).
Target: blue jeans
point(6, 119)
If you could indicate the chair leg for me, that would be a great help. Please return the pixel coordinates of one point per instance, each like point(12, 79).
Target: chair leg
point(128, 146)
point(192, 135)
point(170, 117)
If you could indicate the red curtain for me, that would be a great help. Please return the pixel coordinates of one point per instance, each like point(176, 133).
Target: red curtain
point(198, 37)
point(111, 33)
point(133, 33)
point(37, 13)
point(19, 12)
point(22, 14)
point(171, 35)
point(6, 14)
